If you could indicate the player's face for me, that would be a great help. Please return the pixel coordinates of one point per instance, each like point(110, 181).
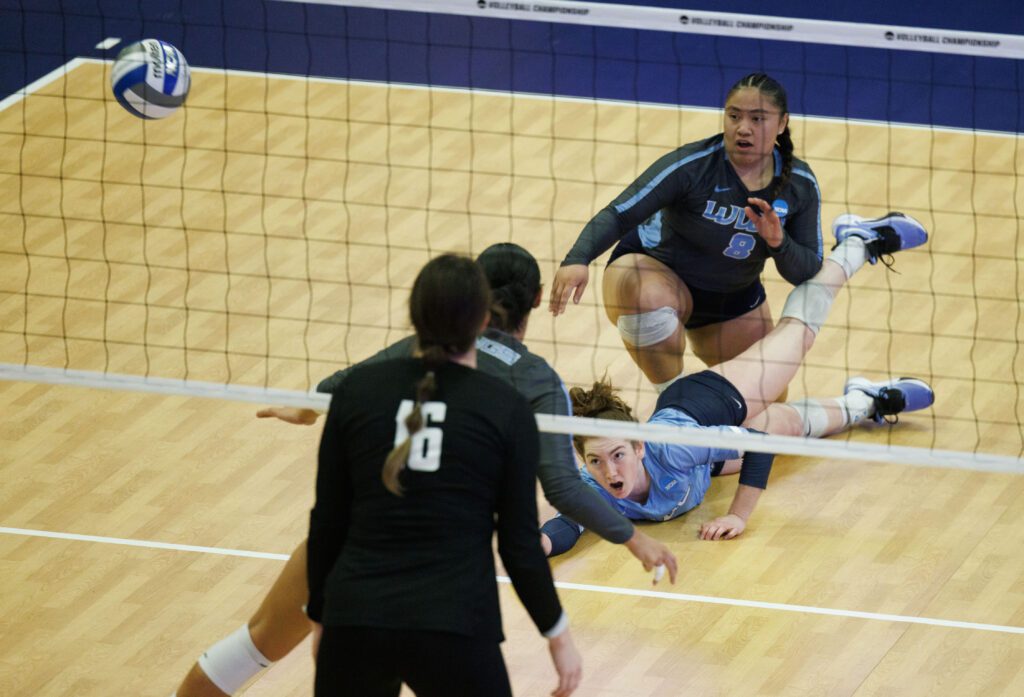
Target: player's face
point(615, 464)
point(752, 123)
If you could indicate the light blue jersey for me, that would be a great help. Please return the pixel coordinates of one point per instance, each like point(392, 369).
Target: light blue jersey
point(680, 474)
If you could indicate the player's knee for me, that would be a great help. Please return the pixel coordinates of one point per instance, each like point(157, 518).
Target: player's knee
point(648, 328)
point(809, 303)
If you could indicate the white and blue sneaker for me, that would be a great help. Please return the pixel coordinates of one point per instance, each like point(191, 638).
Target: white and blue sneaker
point(884, 236)
point(893, 397)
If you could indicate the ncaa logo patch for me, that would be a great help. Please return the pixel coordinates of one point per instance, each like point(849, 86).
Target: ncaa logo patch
point(780, 207)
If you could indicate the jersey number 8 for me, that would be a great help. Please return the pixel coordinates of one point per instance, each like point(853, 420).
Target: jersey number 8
point(740, 246)
point(425, 454)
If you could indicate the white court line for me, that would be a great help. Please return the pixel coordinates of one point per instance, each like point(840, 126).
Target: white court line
point(564, 585)
point(143, 543)
point(41, 82)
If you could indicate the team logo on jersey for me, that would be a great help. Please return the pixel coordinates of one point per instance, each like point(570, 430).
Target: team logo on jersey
point(728, 215)
point(781, 208)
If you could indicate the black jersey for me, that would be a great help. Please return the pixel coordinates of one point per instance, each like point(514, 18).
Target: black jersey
point(503, 356)
point(688, 207)
point(424, 560)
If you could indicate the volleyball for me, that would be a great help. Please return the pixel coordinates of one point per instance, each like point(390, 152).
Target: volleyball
point(150, 78)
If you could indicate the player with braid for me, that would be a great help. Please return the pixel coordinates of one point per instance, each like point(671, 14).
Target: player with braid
point(422, 459)
point(279, 624)
point(689, 251)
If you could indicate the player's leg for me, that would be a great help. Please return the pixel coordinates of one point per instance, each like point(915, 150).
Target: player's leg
point(723, 341)
point(764, 370)
point(862, 400)
point(277, 627)
point(649, 304)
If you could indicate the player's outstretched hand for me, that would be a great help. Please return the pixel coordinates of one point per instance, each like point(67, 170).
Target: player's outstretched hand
point(767, 222)
point(569, 280)
point(652, 554)
point(292, 415)
point(567, 662)
point(724, 528)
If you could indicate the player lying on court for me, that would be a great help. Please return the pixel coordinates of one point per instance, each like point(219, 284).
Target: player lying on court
point(279, 624)
point(688, 252)
point(658, 481)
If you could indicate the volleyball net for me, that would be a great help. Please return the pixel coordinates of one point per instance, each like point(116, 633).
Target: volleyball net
point(268, 233)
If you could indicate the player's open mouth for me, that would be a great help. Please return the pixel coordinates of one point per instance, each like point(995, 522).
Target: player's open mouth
point(744, 144)
point(617, 486)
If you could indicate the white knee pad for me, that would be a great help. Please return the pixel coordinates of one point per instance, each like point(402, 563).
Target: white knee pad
point(233, 660)
point(810, 303)
point(648, 328)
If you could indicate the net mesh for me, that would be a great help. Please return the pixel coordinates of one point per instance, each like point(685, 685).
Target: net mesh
point(268, 233)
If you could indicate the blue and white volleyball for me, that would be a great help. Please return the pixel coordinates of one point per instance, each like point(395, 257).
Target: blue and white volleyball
point(150, 78)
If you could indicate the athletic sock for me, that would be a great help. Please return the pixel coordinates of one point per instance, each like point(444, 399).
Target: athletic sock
point(851, 254)
point(855, 407)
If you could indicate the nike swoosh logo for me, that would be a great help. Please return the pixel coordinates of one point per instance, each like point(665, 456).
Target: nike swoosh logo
point(720, 189)
point(738, 404)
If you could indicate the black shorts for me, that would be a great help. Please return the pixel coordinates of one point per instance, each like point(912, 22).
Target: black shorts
point(368, 662)
point(709, 306)
point(707, 397)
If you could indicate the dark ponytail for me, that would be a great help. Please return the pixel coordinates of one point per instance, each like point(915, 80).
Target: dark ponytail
point(773, 89)
point(514, 278)
point(785, 141)
point(448, 304)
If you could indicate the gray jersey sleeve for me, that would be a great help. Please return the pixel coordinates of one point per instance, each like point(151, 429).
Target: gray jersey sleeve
point(400, 349)
point(559, 477)
point(799, 256)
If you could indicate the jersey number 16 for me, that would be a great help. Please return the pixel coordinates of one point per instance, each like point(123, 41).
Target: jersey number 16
point(425, 454)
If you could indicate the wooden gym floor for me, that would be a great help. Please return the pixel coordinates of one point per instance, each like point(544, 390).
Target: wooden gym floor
point(278, 246)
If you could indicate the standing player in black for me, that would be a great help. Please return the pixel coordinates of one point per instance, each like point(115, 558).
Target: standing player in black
point(421, 460)
point(279, 624)
point(690, 251)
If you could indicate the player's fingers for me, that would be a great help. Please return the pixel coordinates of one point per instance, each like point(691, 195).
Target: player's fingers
point(760, 203)
point(673, 567)
point(556, 294)
point(566, 684)
point(573, 681)
point(559, 299)
point(578, 295)
point(265, 413)
point(659, 573)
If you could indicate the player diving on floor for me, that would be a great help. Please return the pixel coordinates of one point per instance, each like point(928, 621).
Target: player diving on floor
point(659, 481)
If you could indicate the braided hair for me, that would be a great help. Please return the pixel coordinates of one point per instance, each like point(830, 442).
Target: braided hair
point(771, 88)
point(448, 305)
